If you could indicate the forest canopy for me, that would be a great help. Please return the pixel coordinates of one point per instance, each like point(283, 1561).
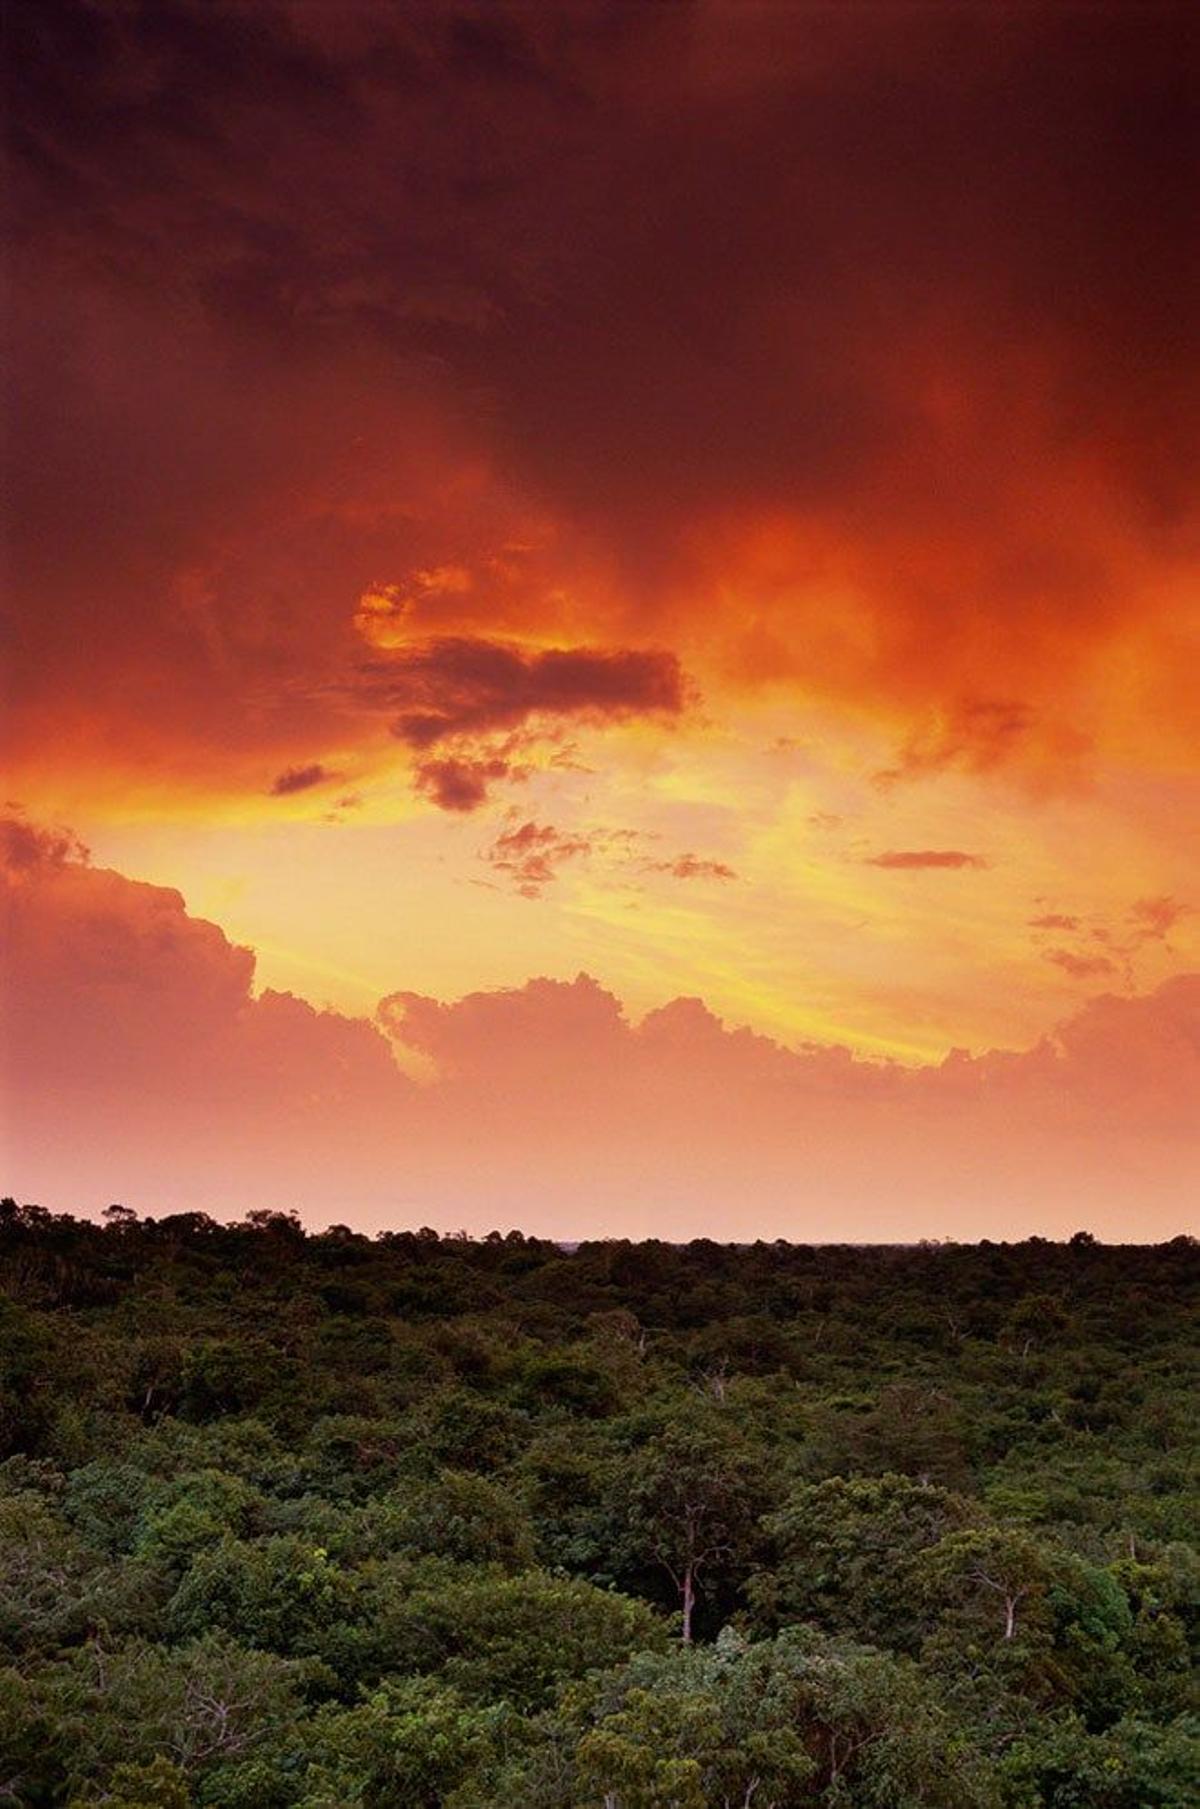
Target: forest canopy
point(297, 1521)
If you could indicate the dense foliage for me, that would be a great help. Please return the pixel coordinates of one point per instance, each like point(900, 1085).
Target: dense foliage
point(312, 1522)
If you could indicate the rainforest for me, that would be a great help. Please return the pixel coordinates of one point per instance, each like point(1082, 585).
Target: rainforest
point(329, 1521)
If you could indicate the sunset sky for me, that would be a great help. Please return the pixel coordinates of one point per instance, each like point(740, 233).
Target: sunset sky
point(701, 496)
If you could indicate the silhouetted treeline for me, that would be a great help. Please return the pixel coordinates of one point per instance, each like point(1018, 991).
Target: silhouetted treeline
point(297, 1521)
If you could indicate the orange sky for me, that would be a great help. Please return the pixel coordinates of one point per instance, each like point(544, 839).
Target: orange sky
point(700, 496)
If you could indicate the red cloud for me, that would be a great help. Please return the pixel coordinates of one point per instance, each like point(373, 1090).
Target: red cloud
point(1125, 940)
point(460, 783)
point(915, 858)
point(691, 866)
point(1155, 918)
point(300, 778)
point(1080, 967)
point(27, 846)
point(531, 853)
point(976, 734)
point(443, 689)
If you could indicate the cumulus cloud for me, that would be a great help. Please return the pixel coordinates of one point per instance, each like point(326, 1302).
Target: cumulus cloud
point(130, 1030)
point(140, 1064)
point(25, 846)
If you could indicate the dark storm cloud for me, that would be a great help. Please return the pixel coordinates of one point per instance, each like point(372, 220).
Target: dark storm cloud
point(924, 277)
point(650, 212)
point(446, 688)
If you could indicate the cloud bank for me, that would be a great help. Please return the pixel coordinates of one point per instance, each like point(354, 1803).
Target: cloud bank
point(139, 1065)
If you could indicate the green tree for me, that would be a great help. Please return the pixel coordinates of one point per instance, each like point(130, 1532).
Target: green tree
point(282, 1594)
point(457, 1515)
point(788, 1722)
point(846, 1556)
point(505, 1638)
point(158, 1785)
point(206, 1706)
point(412, 1741)
point(1133, 1765)
point(695, 1493)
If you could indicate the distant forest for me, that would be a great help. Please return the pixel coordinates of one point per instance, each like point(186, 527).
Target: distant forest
point(297, 1521)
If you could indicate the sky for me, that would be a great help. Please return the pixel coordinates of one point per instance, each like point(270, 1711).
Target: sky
point(601, 615)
